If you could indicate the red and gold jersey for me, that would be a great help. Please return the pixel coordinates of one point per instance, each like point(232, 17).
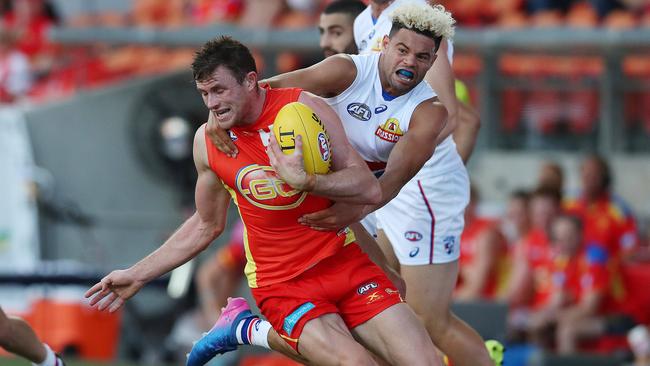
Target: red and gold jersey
point(277, 246)
point(608, 223)
point(576, 276)
point(610, 230)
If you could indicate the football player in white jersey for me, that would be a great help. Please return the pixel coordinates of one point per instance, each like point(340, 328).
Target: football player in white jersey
point(425, 219)
point(374, 23)
point(430, 285)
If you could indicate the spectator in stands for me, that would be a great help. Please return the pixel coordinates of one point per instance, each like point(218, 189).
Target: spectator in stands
point(516, 221)
point(594, 310)
point(602, 7)
point(30, 21)
point(551, 175)
point(483, 253)
point(16, 336)
point(608, 220)
point(15, 72)
point(572, 289)
point(532, 250)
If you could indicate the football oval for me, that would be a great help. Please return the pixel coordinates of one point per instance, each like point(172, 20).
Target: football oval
point(298, 119)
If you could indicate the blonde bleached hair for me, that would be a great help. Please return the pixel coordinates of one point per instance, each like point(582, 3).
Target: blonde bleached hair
point(427, 19)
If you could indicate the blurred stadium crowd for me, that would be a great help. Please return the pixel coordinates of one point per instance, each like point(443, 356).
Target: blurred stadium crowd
point(572, 264)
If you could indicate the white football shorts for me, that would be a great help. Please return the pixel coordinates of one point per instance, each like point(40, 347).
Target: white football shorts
point(425, 220)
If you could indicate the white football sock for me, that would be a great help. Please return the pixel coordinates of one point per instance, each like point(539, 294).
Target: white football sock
point(50, 357)
point(256, 332)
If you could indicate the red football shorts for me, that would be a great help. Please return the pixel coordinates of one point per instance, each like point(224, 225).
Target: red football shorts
point(347, 283)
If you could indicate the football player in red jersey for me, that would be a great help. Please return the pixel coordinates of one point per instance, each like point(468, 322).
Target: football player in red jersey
point(326, 300)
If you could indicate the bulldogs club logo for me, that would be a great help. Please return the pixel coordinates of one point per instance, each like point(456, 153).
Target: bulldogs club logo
point(261, 186)
point(450, 244)
point(323, 147)
point(389, 131)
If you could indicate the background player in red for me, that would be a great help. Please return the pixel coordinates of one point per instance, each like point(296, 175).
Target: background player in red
point(316, 288)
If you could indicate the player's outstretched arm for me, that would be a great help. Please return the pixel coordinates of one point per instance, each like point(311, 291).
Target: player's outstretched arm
point(413, 149)
point(327, 78)
point(191, 238)
point(466, 132)
point(463, 120)
point(351, 180)
point(441, 78)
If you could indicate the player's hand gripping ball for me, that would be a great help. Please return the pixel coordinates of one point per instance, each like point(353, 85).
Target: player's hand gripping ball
point(298, 119)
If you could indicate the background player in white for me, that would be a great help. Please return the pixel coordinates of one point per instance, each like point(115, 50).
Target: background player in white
point(336, 27)
point(380, 98)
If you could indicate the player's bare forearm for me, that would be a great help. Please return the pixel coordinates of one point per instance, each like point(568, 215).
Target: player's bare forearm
point(442, 81)
point(353, 184)
point(466, 132)
point(198, 231)
point(412, 150)
point(327, 78)
point(188, 241)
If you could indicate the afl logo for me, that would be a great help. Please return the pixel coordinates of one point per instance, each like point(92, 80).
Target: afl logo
point(324, 147)
point(412, 236)
point(261, 186)
point(367, 287)
point(359, 111)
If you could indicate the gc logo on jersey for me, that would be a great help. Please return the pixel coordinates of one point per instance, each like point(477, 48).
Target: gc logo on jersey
point(359, 111)
point(389, 131)
point(261, 186)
